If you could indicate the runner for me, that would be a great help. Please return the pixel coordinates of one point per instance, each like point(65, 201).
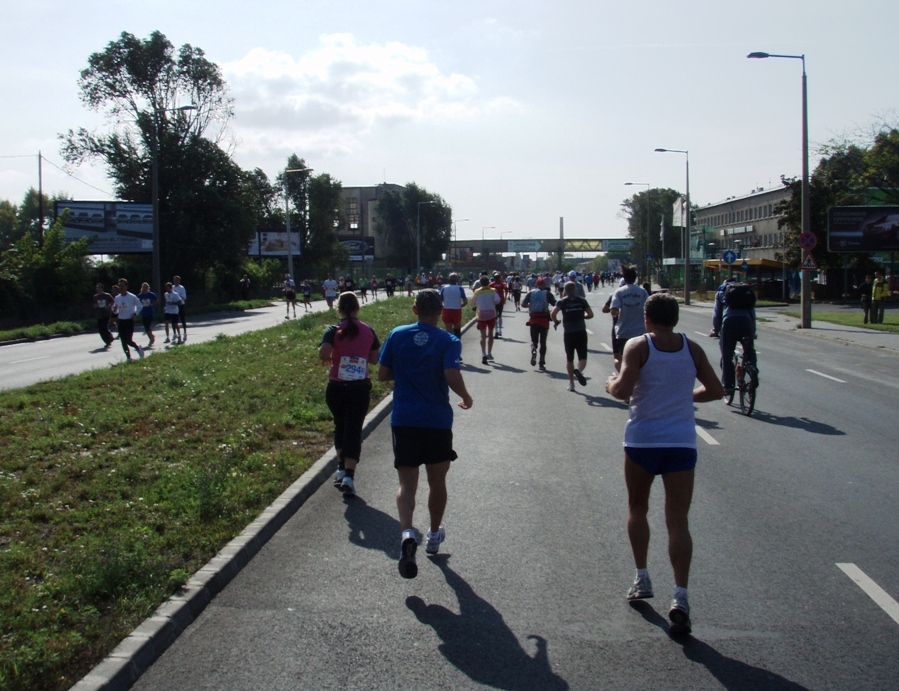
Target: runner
point(307, 295)
point(103, 304)
point(289, 287)
point(516, 286)
point(453, 297)
point(485, 302)
point(148, 302)
point(627, 312)
point(499, 285)
point(171, 301)
point(537, 302)
point(329, 290)
point(127, 307)
point(575, 310)
point(423, 362)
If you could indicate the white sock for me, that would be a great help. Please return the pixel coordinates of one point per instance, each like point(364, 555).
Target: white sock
point(642, 573)
point(680, 592)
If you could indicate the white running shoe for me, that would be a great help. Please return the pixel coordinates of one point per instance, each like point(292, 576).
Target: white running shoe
point(434, 540)
point(408, 546)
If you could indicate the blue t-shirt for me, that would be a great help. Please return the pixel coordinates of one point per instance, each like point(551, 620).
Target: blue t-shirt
point(147, 300)
point(418, 354)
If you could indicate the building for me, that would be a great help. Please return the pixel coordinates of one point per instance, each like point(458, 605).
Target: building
point(360, 209)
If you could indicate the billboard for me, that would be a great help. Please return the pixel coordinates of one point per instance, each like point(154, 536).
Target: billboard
point(114, 227)
point(863, 228)
point(272, 242)
point(360, 249)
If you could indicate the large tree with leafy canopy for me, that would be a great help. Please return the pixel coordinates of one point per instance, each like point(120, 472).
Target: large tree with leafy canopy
point(144, 86)
point(398, 218)
point(645, 210)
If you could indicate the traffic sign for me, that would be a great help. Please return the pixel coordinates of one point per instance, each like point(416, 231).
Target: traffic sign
point(729, 257)
point(808, 241)
point(649, 257)
point(809, 263)
point(744, 267)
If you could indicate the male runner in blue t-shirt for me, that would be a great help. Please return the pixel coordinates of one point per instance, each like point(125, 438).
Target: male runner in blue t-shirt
point(423, 362)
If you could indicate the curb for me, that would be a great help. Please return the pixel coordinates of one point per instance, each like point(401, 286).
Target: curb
point(120, 669)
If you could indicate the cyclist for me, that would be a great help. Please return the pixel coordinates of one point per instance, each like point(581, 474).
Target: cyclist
point(733, 320)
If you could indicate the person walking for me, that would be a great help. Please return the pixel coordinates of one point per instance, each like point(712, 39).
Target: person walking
point(171, 302)
point(627, 312)
point(423, 362)
point(127, 307)
point(245, 287)
point(103, 304)
point(575, 309)
point(658, 374)
point(182, 309)
point(865, 290)
point(485, 303)
point(148, 301)
point(349, 347)
point(537, 302)
point(879, 294)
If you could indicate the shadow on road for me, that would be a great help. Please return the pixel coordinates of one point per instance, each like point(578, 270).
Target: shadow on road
point(478, 642)
point(732, 674)
point(802, 423)
point(372, 528)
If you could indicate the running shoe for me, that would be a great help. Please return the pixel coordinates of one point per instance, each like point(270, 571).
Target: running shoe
point(641, 589)
point(580, 377)
point(338, 478)
point(533, 356)
point(434, 540)
point(407, 566)
point(571, 386)
point(542, 367)
point(499, 334)
point(489, 356)
point(348, 486)
point(484, 360)
point(168, 340)
point(140, 352)
point(679, 614)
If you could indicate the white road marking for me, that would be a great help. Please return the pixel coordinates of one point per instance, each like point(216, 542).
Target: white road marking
point(32, 359)
point(606, 346)
point(589, 332)
point(826, 376)
point(698, 333)
point(872, 590)
point(707, 438)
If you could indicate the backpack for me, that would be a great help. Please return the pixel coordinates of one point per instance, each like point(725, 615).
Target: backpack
point(739, 296)
point(538, 301)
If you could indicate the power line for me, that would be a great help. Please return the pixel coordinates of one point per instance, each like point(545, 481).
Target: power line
point(63, 171)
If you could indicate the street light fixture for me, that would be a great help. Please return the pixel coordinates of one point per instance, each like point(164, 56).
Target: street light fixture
point(483, 228)
point(418, 236)
point(453, 239)
point(806, 293)
point(646, 259)
point(154, 184)
point(287, 216)
point(686, 242)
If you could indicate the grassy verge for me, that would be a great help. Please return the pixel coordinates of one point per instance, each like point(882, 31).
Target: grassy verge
point(117, 484)
point(43, 331)
point(852, 318)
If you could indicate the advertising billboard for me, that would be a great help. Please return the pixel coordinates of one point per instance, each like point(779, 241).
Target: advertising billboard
point(114, 227)
point(272, 242)
point(360, 249)
point(863, 228)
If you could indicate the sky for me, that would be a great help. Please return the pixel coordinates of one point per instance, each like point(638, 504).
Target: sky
point(515, 112)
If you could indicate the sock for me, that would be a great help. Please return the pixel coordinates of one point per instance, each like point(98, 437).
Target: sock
point(642, 573)
point(350, 473)
point(678, 591)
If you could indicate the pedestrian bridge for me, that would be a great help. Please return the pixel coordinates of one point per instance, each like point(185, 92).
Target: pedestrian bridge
point(462, 249)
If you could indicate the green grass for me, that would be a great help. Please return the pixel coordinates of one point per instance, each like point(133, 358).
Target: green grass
point(852, 318)
point(43, 331)
point(117, 484)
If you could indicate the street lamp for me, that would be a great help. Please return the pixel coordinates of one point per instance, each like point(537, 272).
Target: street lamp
point(806, 293)
point(418, 236)
point(450, 255)
point(287, 217)
point(686, 243)
point(154, 184)
point(483, 228)
point(646, 264)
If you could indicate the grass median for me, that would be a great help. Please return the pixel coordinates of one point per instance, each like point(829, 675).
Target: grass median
point(852, 318)
point(117, 484)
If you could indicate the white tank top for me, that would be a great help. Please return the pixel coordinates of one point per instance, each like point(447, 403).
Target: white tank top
point(662, 402)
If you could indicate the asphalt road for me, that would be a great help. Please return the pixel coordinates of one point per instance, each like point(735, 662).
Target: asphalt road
point(528, 591)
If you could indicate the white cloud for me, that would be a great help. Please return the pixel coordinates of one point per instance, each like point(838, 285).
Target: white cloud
point(333, 98)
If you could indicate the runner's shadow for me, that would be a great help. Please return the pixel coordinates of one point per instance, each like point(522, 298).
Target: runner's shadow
point(371, 528)
point(604, 402)
point(802, 423)
point(479, 643)
point(732, 674)
point(505, 368)
point(707, 424)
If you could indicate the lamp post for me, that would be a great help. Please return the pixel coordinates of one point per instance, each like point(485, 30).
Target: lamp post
point(806, 293)
point(483, 228)
point(287, 217)
point(646, 260)
point(154, 184)
point(418, 235)
point(453, 239)
point(686, 243)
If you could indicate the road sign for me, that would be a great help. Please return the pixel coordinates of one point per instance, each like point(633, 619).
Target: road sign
point(649, 257)
point(808, 241)
point(744, 267)
point(809, 263)
point(729, 257)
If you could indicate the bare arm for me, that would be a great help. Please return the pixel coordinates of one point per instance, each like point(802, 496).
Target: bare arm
point(711, 389)
point(385, 373)
point(588, 313)
point(457, 384)
point(373, 356)
point(621, 385)
point(325, 350)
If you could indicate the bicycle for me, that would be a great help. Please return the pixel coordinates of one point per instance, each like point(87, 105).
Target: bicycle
point(746, 380)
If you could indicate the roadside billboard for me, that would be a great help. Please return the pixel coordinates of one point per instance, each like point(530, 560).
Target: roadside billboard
point(114, 227)
point(272, 242)
point(863, 228)
point(360, 249)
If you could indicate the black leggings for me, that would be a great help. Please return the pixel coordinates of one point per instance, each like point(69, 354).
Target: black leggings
point(348, 403)
point(126, 335)
point(538, 335)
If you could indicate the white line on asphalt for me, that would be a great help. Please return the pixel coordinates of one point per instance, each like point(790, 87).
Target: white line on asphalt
point(700, 333)
point(31, 359)
point(606, 346)
point(826, 376)
point(589, 332)
point(708, 438)
point(872, 590)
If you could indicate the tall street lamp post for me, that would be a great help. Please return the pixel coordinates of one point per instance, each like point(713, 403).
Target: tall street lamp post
point(686, 242)
point(646, 258)
point(483, 228)
point(287, 217)
point(452, 241)
point(806, 294)
point(418, 235)
point(154, 184)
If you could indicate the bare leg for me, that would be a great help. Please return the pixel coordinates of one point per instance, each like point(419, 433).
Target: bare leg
point(678, 496)
point(639, 483)
point(437, 495)
point(405, 495)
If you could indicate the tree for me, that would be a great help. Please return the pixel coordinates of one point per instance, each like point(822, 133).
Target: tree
point(645, 210)
point(9, 222)
point(144, 87)
point(398, 219)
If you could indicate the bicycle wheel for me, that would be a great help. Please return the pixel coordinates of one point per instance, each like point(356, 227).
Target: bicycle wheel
point(729, 395)
point(747, 392)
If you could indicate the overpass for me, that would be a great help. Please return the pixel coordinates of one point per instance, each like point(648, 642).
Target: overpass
point(465, 249)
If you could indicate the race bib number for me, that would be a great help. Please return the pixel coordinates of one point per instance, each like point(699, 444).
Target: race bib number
point(352, 368)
